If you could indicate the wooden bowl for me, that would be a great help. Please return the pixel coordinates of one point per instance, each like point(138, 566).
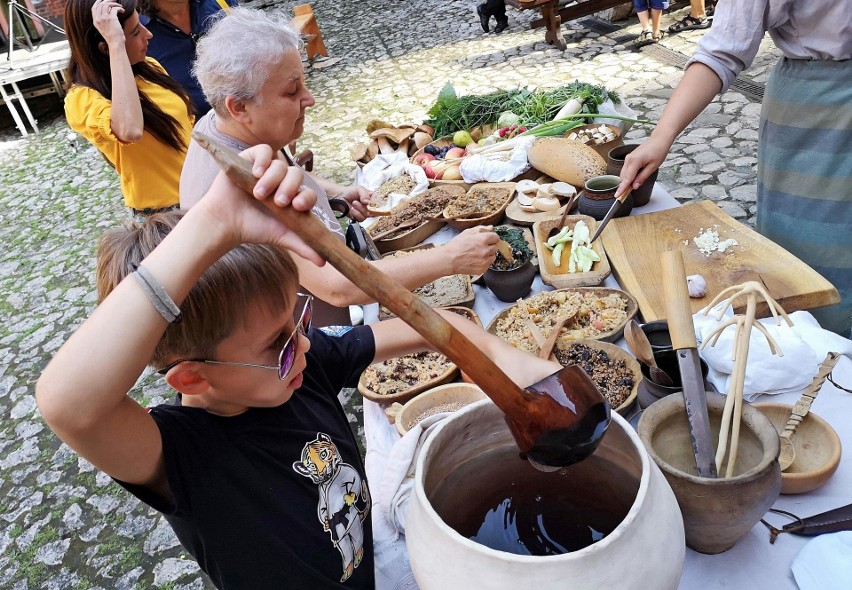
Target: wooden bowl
point(493, 217)
point(601, 148)
point(617, 353)
point(558, 276)
point(527, 342)
point(455, 395)
point(817, 449)
point(404, 395)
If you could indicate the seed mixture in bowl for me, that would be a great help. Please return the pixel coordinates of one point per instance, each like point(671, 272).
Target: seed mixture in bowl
point(612, 376)
point(479, 201)
point(595, 313)
point(406, 372)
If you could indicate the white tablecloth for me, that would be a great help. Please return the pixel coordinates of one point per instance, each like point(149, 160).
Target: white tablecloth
point(752, 563)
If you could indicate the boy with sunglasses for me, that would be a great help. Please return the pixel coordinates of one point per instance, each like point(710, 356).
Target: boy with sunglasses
point(256, 469)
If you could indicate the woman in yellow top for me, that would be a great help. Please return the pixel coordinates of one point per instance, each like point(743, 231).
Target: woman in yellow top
point(125, 103)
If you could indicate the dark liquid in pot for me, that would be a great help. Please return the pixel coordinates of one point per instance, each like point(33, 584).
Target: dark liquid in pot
point(502, 502)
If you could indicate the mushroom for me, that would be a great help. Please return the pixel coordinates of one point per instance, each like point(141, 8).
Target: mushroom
point(421, 139)
point(384, 137)
point(562, 189)
point(527, 186)
point(428, 129)
point(377, 124)
point(359, 152)
point(403, 146)
point(546, 203)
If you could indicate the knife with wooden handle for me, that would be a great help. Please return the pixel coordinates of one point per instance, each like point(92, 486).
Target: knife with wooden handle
point(679, 316)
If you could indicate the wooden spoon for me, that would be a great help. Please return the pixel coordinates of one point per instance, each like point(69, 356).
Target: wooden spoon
point(556, 422)
point(555, 230)
point(404, 225)
point(640, 346)
point(547, 347)
point(505, 250)
point(801, 409)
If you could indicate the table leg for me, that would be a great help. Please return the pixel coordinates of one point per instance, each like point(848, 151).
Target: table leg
point(553, 22)
point(13, 111)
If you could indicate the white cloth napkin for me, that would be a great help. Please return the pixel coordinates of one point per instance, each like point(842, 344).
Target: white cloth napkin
point(804, 346)
point(398, 480)
point(481, 168)
point(825, 563)
point(384, 167)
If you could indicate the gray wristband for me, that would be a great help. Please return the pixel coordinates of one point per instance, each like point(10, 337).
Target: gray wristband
point(158, 296)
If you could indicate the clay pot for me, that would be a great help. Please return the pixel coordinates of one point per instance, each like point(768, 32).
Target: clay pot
point(646, 550)
point(649, 391)
point(598, 195)
point(510, 285)
point(658, 335)
point(614, 164)
point(716, 512)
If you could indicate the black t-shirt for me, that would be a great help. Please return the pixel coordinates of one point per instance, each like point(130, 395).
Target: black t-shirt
point(275, 497)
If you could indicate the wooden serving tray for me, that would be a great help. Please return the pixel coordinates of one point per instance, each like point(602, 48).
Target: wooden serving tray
point(558, 276)
point(609, 336)
point(634, 244)
point(410, 238)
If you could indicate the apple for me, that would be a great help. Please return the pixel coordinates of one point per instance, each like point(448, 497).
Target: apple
point(428, 170)
point(455, 152)
point(453, 172)
point(437, 168)
point(422, 159)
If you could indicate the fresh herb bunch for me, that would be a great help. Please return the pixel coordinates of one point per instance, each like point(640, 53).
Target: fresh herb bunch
point(451, 113)
point(515, 238)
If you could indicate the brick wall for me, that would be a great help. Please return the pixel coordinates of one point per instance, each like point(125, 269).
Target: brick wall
point(52, 10)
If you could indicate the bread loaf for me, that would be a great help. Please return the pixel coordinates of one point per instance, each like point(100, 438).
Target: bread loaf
point(566, 160)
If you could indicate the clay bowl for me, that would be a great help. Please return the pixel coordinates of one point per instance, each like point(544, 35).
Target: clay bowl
point(615, 353)
point(602, 148)
point(444, 398)
point(614, 164)
point(817, 449)
point(649, 391)
point(717, 512)
point(658, 335)
point(511, 284)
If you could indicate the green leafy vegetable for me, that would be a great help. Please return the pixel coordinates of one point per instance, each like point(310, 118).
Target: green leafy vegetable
point(447, 98)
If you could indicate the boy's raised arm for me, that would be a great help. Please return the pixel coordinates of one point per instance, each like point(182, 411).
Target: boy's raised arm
point(396, 338)
point(82, 393)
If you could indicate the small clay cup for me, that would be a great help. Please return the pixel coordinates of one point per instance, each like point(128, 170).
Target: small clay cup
point(598, 195)
point(511, 285)
point(614, 164)
point(658, 335)
point(649, 392)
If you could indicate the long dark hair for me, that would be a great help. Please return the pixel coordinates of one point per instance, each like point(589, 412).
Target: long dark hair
point(89, 66)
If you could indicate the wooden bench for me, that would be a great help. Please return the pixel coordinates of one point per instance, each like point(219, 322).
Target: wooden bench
point(305, 21)
point(552, 16)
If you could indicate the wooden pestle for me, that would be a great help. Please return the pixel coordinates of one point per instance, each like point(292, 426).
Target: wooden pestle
point(529, 414)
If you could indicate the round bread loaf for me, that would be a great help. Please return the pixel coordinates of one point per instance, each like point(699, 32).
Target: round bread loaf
point(566, 160)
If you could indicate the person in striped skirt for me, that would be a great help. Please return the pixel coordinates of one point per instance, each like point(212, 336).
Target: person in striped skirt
point(804, 175)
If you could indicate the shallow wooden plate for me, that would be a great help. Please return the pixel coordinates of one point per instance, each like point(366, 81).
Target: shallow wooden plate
point(615, 352)
point(545, 321)
point(460, 394)
point(490, 219)
point(406, 394)
point(558, 276)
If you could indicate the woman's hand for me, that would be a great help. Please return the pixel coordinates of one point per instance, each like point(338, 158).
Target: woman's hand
point(358, 198)
point(472, 251)
point(244, 219)
point(105, 18)
point(642, 162)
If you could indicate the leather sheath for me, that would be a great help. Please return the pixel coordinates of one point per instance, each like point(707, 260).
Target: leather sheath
point(839, 519)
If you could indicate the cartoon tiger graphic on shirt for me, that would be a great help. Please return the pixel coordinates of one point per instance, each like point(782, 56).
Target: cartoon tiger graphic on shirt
point(340, 488)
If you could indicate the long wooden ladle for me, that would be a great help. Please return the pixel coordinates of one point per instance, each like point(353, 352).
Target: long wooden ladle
point(556, 422)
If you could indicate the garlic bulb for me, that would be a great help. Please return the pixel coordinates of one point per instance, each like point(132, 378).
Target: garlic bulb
point(696, 285)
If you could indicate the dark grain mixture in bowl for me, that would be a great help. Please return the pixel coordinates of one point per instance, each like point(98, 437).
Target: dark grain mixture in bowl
point(423, 206)
point(612, 376)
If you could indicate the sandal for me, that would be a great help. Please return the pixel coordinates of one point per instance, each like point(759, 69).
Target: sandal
point(645, 37)
point(689, 23)
point(657, 38)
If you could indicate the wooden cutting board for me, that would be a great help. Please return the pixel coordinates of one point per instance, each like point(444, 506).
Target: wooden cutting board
point(633, 245)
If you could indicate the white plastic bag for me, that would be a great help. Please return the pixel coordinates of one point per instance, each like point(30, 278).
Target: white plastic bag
point(610, 108)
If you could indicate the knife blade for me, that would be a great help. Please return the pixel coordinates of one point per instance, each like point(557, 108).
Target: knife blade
point(619, 201)
point(679, 316)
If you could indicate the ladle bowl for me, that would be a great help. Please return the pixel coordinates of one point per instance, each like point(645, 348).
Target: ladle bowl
point(645, 550)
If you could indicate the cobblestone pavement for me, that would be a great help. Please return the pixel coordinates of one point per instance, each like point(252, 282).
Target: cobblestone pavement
point(63, 525)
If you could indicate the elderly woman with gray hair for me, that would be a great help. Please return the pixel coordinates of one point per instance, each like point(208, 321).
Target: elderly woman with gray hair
point(250, 69)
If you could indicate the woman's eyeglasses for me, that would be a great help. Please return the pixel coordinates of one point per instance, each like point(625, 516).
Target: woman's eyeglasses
point(286, 357)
